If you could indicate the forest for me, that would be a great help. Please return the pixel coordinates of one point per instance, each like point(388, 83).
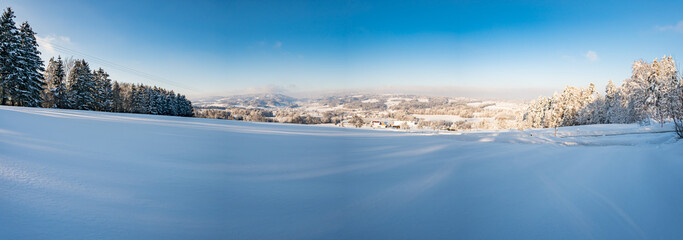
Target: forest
point(70, 83)
point(653, 94)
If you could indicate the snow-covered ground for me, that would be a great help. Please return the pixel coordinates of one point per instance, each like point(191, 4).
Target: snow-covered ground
point(68, 174)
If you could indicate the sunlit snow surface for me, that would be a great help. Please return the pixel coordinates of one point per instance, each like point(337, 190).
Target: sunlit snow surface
point(68, 174)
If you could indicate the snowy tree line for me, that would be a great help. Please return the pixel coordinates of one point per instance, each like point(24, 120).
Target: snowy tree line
point(93, 90)
point(653, 93)
point(69, 83)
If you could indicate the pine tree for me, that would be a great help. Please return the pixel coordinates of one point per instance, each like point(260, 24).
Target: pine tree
point(117, 97)
point(145, 99)
point(103, 91)
point(174, 107)
point(31, 82)
point(10, 71)
point(157, 102)
point(134, 99)
point(184, 107)
point(55, 78)
point(81, 87)
point(162, 102)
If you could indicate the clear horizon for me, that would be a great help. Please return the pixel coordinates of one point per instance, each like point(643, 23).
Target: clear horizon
point(213, 48)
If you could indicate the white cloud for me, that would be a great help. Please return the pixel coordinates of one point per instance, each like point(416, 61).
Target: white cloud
point(277, 44)
point(47, 44)
point(592, 56)
point(675, 28)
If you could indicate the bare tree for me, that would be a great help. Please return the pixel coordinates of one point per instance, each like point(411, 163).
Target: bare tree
point(678, 111)
point(69, 63)
point(357, 121)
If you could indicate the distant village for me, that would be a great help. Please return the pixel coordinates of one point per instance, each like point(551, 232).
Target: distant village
point(370, 111)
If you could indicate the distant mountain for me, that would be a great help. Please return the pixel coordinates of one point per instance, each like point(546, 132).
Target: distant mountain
point(264, 100)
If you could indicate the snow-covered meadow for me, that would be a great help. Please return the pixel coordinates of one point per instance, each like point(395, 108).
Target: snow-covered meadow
point(67, 174)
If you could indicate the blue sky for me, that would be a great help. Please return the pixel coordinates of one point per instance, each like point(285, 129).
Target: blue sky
point(218, 47)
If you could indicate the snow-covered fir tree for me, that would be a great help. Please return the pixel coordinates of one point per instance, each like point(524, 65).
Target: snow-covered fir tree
point(172, 102)
point(30, 84)
point(103, 91)
point(116, 97)
point(184, 106)
point(10, 57)
point(81, 87)
point(156, 101)
point(138, 98)
point(145, 99)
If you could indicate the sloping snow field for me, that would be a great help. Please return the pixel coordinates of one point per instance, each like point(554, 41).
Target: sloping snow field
point(67, 174)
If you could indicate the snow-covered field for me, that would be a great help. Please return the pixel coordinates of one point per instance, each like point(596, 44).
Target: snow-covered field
point(86, 175)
